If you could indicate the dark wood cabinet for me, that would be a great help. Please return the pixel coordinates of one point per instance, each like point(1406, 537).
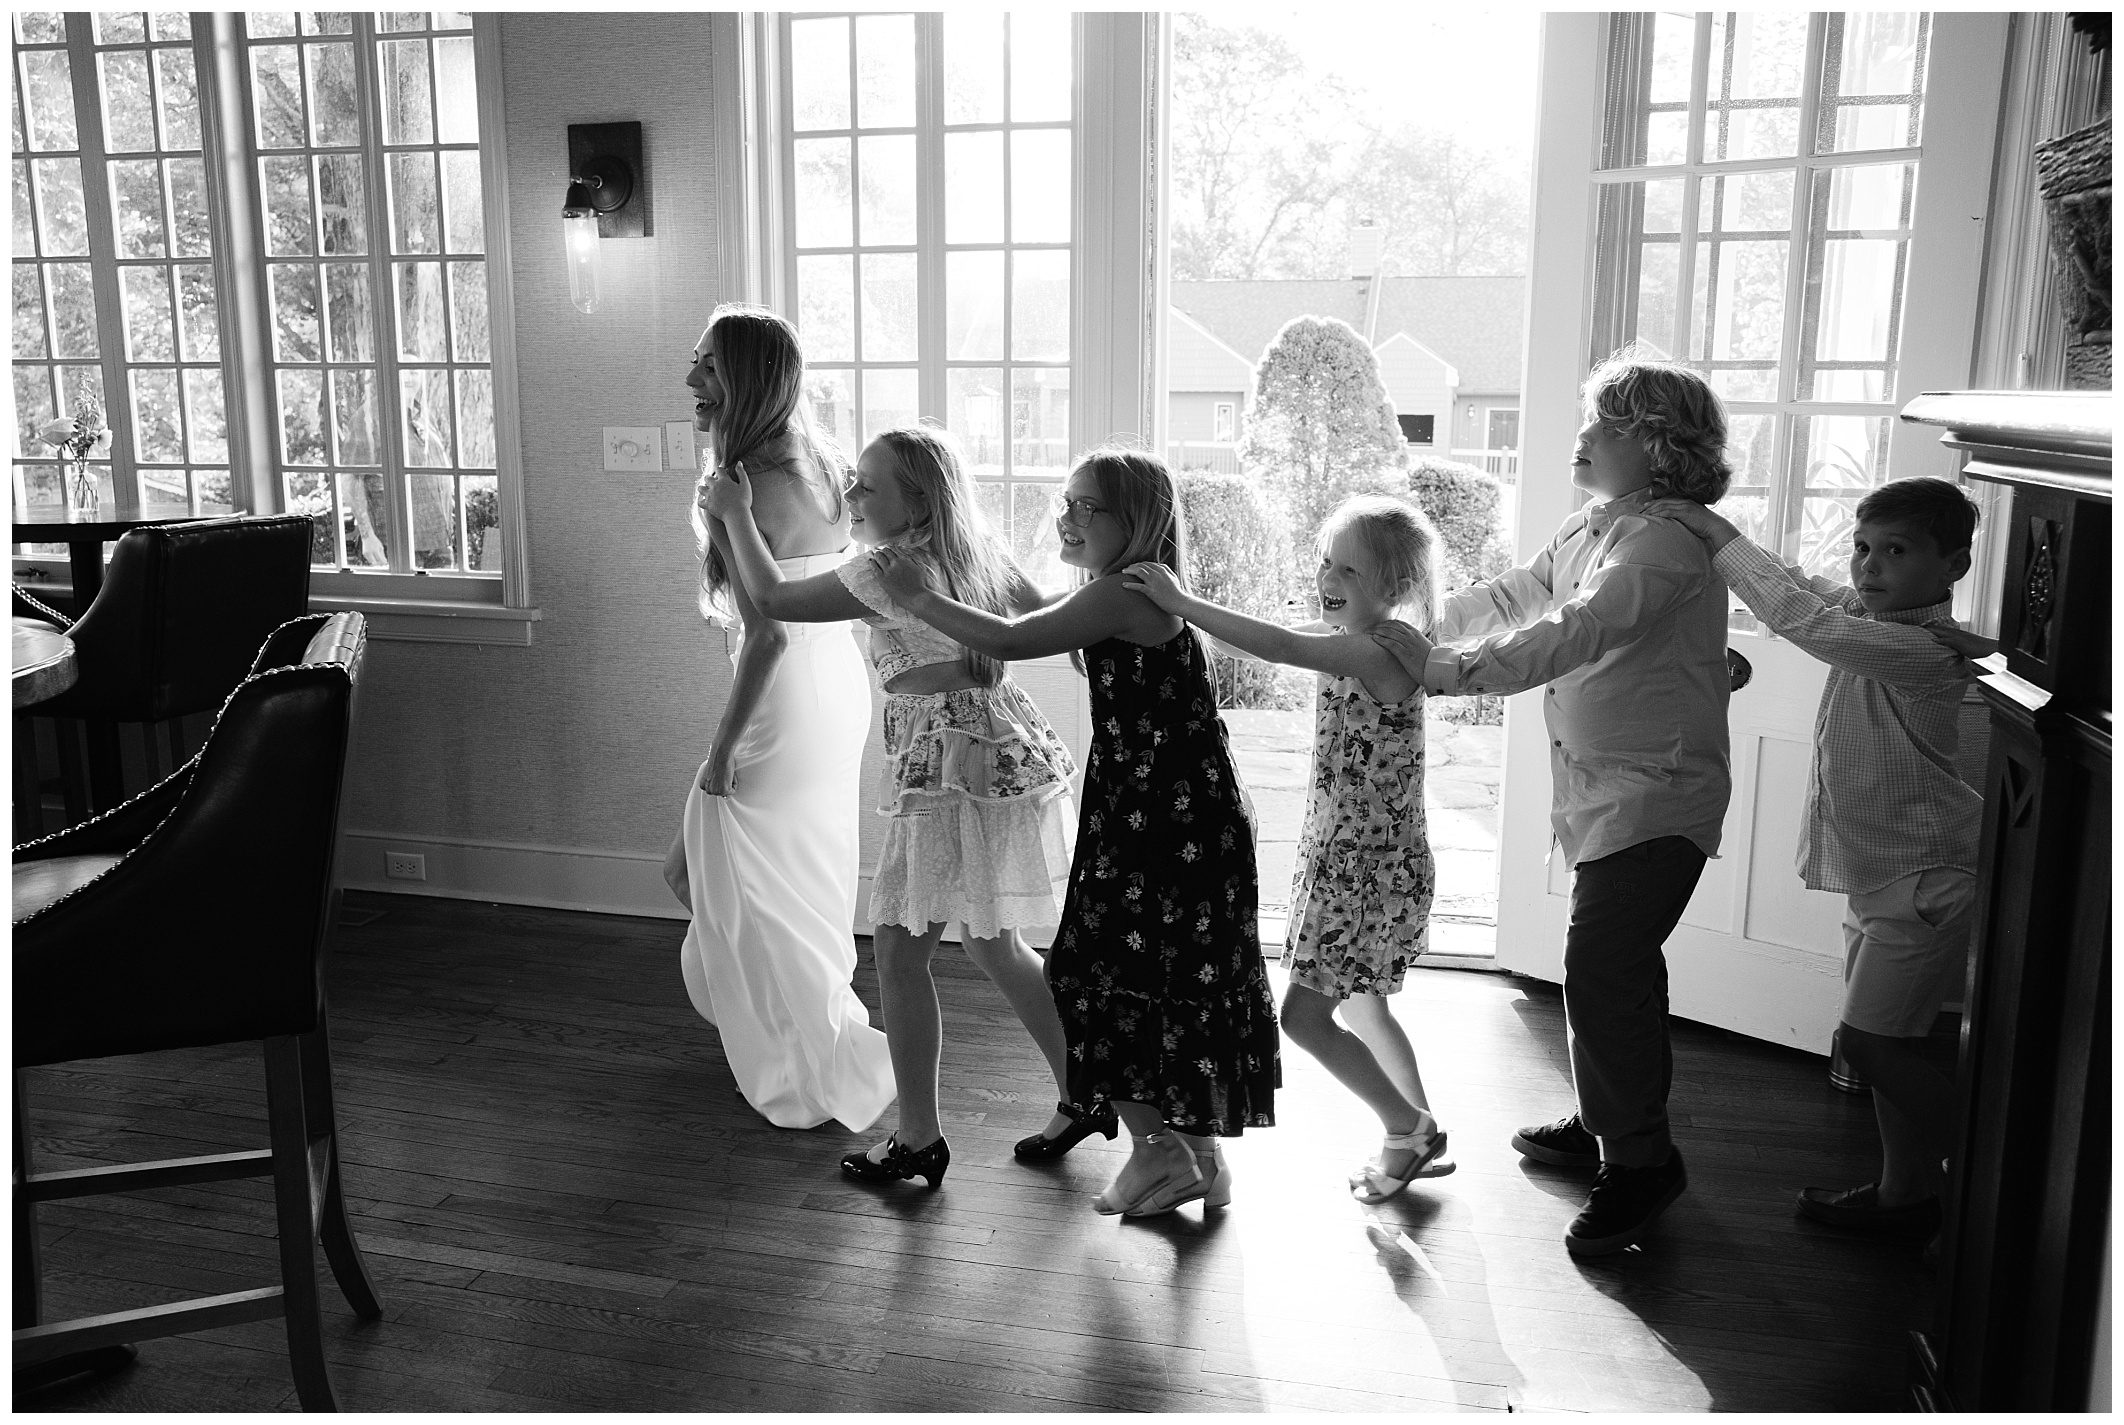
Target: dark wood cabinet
point(2023, 1304)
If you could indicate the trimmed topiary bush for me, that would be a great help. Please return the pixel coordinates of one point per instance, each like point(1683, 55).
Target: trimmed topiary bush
point(1239, 555)
point(1320, 426)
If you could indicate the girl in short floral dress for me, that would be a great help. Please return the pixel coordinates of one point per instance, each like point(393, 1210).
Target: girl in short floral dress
point(1361, 899)
point(1157, 967)
point(976, 781)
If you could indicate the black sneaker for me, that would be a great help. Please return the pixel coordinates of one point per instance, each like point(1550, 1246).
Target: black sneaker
point(1623, 1203)
point(1564, 1143)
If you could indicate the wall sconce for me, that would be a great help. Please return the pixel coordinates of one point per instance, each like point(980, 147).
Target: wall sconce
point(608, 196)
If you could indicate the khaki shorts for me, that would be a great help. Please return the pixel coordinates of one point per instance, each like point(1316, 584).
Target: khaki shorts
point(1905, 946)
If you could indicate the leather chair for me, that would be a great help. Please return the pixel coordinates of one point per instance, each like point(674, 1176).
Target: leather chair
point(193, 915)
point(181, 613)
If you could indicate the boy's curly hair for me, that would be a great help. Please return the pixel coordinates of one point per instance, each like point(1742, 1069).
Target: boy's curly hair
point(1677, 415)
point(1938, 507)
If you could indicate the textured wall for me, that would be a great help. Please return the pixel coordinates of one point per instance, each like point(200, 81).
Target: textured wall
point(584, 739)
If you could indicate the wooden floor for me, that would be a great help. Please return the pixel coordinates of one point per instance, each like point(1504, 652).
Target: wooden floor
point(565, 1205)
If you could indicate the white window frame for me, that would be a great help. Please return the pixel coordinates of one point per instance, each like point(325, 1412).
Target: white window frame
point(457, 607)
point(1117, 286)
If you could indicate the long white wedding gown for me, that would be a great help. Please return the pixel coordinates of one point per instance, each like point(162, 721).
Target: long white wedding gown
point(772, 869)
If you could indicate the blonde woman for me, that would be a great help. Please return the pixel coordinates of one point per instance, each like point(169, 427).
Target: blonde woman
point(767, 851)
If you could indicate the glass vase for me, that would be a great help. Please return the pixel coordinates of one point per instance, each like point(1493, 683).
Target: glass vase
point(81, 485)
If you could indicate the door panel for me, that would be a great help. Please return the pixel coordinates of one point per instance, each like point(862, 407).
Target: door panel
point(1756, 951)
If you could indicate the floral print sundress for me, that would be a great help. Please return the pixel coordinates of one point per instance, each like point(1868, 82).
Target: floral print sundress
point(1157, 969)
point(1361, 898)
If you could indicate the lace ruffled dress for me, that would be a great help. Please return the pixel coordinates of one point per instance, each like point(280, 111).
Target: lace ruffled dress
point(976, 787)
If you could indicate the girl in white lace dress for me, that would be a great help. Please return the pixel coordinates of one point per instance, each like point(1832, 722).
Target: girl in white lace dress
point(1361, 897)
point(976, 781)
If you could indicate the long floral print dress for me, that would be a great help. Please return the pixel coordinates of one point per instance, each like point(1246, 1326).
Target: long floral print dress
point(1361, 898)
point(1157, 968)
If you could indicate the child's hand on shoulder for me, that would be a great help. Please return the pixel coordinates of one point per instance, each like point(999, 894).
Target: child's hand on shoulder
point(724, 493)
point(1686, 513)
point(1409, 647)
point(1970, 645)
point(1713, 529)
point(1155, 582)
point(905, 577)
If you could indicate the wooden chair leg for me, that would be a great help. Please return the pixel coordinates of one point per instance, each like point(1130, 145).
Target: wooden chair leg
point(295, 1223)
point(29, 1265)
point(334, 1231)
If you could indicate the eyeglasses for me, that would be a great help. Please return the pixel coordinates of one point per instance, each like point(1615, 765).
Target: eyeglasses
point(1079, 512)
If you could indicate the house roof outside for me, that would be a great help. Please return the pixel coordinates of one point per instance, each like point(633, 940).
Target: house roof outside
point(1475, 323)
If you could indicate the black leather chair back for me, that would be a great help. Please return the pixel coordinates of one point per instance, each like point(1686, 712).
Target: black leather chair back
point(181, 613)
point(210, 928)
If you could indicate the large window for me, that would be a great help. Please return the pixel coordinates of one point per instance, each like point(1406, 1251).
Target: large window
point(928, 239)
point(115, 299)
point(350, 199)
point(1758, 179)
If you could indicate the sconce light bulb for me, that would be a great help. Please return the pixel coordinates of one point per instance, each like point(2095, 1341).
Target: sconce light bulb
point(580, 232)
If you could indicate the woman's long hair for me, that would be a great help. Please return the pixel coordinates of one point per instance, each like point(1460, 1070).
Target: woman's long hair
point(760, 366)
point(946, 526)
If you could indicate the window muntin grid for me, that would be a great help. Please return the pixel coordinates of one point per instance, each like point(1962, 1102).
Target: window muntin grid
point(929, 226)
point(365, 134)
point(1774, 266)
point(113, 280)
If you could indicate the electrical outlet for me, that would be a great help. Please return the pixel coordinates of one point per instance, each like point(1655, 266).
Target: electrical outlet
point(405, 866)
point(678, 446)
point(634, 448)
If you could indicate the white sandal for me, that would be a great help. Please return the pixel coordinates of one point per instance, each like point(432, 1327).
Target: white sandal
point(1372, 1186)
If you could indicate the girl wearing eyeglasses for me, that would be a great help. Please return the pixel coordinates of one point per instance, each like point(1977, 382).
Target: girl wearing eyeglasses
point(976, 784)
point(1157, 968)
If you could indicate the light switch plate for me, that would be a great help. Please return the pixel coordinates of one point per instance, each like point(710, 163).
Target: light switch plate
point(678, 447)
point(634, 448)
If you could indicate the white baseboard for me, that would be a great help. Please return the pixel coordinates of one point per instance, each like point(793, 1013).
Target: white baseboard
point(560, 877)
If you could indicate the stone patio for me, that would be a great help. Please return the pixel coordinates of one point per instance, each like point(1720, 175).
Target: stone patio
point(1461, 772)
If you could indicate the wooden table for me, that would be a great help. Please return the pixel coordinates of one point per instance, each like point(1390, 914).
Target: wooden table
point(85, 532)
point(44, 661)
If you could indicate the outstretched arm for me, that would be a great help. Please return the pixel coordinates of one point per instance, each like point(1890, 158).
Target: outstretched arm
point(726, 498)
point(1100, 610)
point(1338, 654)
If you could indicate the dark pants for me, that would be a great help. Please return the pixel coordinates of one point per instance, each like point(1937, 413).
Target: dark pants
point(1623, 908)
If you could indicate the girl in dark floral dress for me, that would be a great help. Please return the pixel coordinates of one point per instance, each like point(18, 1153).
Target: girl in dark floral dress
point(1361, 901)
point(1157, 969)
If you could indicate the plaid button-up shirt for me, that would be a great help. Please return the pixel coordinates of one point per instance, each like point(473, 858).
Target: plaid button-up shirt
point(1883, 799)
point(1623, 619)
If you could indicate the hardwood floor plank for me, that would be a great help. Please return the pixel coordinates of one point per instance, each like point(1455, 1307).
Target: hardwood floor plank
point(564, 1205)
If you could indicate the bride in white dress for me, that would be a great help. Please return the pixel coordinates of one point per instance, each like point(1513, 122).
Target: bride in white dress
point(766, 856)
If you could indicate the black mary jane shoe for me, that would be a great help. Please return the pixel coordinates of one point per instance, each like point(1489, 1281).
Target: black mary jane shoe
point(1083, 1122)
point(900, 1163)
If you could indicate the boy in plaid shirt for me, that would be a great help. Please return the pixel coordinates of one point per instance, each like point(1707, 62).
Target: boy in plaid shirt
point(1888, 824)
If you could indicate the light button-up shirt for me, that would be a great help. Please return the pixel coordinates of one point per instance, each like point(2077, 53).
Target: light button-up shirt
point(1883, 798)
point(1625, 621)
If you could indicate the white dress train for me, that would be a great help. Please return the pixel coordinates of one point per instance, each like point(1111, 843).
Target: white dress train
point(772, 870)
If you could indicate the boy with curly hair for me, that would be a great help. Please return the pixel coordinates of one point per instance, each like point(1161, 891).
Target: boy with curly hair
point(1624, 620)
point(1889, 822)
